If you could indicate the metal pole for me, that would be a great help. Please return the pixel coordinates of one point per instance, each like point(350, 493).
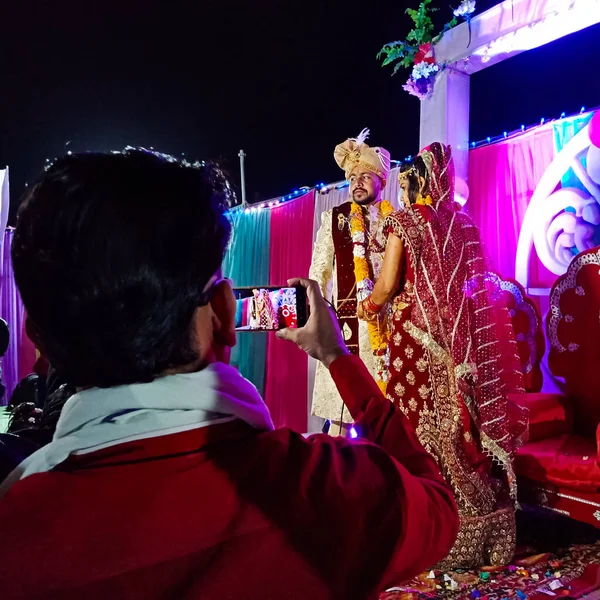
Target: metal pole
point(242, 156)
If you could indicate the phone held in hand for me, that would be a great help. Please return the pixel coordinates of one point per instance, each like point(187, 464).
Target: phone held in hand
point(265, 308)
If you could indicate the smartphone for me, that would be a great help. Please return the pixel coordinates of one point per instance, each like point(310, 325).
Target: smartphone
point(263, 308)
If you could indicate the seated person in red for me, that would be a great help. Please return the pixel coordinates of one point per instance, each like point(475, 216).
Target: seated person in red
point(165, 477)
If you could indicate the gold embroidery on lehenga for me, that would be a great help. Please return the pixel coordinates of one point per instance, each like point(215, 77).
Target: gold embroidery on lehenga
point(397, 339)
point(399, 389)
point(410, 377)
point(465, 369)
point(409, 351)
point(425, 340)
point(486, 534)
point(490, 538)
point(398, 362)
point(427, 432)
point(440, 436)
point(412, 404)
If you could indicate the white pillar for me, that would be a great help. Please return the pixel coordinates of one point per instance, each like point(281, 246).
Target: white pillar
point(445, 117)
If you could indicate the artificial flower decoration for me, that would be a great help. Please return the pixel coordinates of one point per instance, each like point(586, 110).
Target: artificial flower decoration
point(425, 54)
point(465, 10)
point(417, 51)
point(422, 79)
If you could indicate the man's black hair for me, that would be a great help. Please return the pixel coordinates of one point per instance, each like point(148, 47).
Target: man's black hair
point(111, 255)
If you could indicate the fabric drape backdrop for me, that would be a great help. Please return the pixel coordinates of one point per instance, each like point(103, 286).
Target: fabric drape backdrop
point(11, 310)
point(247, 263)
point(502, 179)
point(564, 131)
point(287, 365)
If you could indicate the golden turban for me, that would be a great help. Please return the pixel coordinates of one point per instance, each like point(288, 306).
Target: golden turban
point(354, 153)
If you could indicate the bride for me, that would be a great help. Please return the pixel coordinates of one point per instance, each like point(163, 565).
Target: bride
point(448, 371)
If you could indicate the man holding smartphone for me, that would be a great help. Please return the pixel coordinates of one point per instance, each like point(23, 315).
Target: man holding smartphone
point(347, 259)
point(165, 477)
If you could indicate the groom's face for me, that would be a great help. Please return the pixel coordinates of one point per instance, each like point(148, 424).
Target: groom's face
point(365, 186)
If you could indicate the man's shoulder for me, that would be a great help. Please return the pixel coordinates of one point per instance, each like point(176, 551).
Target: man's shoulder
point(343, 208)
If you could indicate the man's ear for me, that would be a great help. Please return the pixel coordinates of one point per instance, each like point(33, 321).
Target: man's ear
point(383, 183)
point(223, 305)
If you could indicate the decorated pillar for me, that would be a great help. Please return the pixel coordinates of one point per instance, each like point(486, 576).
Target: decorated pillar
point(445, 117)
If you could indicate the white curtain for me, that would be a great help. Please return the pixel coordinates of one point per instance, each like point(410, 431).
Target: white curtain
point(335, 196)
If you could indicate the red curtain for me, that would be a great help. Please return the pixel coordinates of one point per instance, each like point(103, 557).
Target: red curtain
point(502, 179)
point(286, 385)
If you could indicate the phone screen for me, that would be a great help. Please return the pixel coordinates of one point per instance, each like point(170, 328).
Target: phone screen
point(262, 308)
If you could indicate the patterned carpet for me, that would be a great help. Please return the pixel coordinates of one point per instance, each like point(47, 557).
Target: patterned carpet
point(556, 558)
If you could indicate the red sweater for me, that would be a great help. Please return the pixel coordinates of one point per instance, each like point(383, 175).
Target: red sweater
point(226, 512)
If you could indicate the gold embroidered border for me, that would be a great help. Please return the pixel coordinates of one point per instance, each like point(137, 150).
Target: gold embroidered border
point(474, 495)
point(465, 369)
point(426, 341)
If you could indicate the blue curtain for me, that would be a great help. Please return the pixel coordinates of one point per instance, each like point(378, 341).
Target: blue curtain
point(564, 131)
point(247, 263)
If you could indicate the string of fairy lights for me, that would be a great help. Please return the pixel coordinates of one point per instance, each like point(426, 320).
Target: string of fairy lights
point(324, 188)
point(524, 128)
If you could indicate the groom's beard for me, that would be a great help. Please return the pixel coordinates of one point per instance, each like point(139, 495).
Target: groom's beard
point(364, 199)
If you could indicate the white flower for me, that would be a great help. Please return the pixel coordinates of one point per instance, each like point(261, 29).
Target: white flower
point(358, 237)
point(364, 284)
point(424, 69)
point(359, 251)
point(466, 9)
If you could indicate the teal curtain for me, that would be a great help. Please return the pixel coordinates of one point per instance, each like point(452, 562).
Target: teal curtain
point(247, 263)
point(564, 131)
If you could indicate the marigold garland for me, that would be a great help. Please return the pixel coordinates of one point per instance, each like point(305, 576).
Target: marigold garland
point(364, 283)
point(427, 201)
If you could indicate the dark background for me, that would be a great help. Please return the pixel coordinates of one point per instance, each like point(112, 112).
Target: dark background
point(284, 81)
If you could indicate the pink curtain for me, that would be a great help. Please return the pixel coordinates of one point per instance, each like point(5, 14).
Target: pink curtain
point(502, 179)
point(286, 385)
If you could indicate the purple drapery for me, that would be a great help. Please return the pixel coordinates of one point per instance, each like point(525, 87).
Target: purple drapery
point(11, 310)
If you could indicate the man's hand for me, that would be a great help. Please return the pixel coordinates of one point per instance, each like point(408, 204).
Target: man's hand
point(360, 313)
point(321, 337)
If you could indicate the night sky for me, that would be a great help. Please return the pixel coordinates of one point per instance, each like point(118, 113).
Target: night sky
point(284, 81)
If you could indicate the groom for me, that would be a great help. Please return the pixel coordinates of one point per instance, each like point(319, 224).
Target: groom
point(348, 253)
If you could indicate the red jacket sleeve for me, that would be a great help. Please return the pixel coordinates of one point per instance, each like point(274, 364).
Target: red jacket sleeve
point(418, 510)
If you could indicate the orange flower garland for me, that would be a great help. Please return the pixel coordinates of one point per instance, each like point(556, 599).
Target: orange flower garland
point(427, 201)
point(364, 284)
